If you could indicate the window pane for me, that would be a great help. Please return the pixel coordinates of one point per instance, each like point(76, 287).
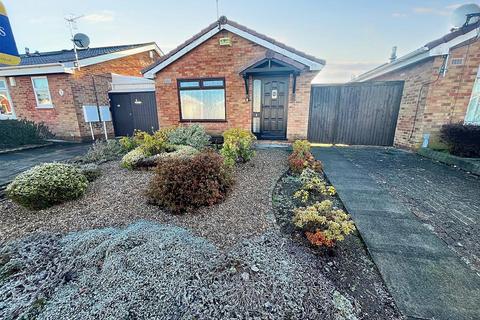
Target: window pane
point(257, 95)
point(213, 83)
point(3, 84)
point(5, 106)
point(189, 84)
point(40, 83)
point(203, 104)
point(43, 97)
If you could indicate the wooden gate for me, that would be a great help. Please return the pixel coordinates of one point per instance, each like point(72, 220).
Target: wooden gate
point(133, 111)
point(362, 113)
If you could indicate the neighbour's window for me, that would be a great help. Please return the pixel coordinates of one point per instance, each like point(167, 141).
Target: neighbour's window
point(202, 99)
point(473, 111)
point(42, 92)
point(6, 109)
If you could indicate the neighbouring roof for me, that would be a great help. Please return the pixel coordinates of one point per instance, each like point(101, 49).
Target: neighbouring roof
point(63, 60)
point(437, 47)
point(224, 24)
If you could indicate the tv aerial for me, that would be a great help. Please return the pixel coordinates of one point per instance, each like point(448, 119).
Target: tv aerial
point(79, 40)
point(465, 15)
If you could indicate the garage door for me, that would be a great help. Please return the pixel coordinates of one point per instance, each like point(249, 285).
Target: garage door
point(133, 111)
point(356, 114)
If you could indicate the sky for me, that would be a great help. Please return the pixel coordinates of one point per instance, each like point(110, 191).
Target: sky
point(353, 36)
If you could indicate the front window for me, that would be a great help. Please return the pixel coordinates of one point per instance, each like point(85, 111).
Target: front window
point(473, 111)
point(202, 99)
point(6, 108)
point(42, 92)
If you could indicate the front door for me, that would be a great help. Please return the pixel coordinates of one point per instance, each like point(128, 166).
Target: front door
point(122, 114)
point(273, 118)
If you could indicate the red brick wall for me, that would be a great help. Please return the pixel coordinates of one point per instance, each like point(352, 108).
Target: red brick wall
point(211, 60)
point(66, 119)
point(443, 100)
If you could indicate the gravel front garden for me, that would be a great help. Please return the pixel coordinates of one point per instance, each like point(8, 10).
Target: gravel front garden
point(113, 253)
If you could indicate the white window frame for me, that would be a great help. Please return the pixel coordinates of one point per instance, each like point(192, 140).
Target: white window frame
point(477, 107)
point(9, 97)
point(42, 106)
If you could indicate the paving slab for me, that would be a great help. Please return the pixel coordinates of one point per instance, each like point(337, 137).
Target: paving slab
point(425, 277)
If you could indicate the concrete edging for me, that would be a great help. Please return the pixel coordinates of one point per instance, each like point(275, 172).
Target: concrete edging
point(471, 165)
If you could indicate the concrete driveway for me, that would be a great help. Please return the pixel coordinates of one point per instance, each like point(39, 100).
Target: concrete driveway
point(13, 163)
point(420, 222)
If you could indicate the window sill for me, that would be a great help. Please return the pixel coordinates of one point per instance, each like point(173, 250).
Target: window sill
point(44, 107)
point(201, 120)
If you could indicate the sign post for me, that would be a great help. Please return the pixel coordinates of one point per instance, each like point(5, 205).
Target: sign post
point(8, 49)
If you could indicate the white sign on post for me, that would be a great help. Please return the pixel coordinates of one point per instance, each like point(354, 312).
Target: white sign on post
point(105, 116)
point(90, 113)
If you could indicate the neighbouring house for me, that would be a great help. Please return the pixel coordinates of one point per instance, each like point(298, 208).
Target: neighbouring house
point(50, 87)
point(228, 76)
point(441, 85)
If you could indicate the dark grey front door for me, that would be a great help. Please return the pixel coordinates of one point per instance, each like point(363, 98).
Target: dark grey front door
point(122, 114)
point(274, 108)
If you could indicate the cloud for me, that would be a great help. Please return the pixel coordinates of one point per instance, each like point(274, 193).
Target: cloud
point(431, 11)
point(344, 71)
point(399, 15)
point(102, 16)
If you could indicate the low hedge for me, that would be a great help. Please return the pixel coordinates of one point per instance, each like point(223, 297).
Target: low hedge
point(463, 140)
point(16, 133)
point(46, 185)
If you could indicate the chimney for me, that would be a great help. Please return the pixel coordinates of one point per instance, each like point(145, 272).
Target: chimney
point(393, 56)
point(27, 51)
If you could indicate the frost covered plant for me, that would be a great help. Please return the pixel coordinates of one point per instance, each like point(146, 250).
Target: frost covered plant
point(312, 182)
point(90, 170)
point(237, 146)
point(131, 159)
point(323, 224)
point(102, 151)
point(193, 136)
point(46, 185)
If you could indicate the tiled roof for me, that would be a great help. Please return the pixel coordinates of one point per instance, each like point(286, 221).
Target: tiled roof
point(69, 55)
point(223, 20)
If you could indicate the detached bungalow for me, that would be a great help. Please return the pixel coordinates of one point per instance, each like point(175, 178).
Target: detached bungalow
point(441, 85)
point(230, 76)
point(48, 87)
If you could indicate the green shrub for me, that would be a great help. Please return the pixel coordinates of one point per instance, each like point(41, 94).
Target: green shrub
point(463, 140)
point(323, 224)
point(91, 171)
point(46, 185)
point(193, 136)
point(103, 151)
point(181, 184)
point(302, 158)
point(313, 184)
point(237, 146)
point(302, 147)
point(128, 143)
point(16, 133)
point(131, 159)
point(152, 146)
point(177, 152)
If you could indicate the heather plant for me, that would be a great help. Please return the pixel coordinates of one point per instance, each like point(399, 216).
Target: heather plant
point(237, 146)
point(182, 184)
point(46, 185)
point(103, 151)
point(193, 136)
point(323, 224)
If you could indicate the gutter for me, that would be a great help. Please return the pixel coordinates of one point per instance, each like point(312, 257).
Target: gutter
point(47, 68)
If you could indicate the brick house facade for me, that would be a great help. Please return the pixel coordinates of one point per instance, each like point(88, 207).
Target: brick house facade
point(71, 90)
point(437, 88)
point(206, 58)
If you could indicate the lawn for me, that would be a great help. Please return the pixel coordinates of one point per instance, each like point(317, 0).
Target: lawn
point(113, 253)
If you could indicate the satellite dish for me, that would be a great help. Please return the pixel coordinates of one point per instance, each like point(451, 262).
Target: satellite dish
point(460, 17)
point(81, 40)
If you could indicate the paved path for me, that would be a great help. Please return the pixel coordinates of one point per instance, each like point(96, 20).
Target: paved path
point(427, 279)
point(13, 163)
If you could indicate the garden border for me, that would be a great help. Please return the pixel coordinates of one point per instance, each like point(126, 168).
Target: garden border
point(471, 165)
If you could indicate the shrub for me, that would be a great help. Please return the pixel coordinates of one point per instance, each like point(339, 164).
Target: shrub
point(302, 147)
point(152, 146)
point(164, 133)
point(193, 136)
point(182, 184)
point(323, 224)
point(15, 133)
point(128, 143)
point(300, 160)
point(131, 159)
point(46, 185)
point(103, 151)
point(463, 140)
point(312, 182)
point(174, 152)
point(91, 171)
point(237, 146)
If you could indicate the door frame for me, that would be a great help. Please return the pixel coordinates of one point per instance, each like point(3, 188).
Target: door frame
point(9, 98)
point(262, 77)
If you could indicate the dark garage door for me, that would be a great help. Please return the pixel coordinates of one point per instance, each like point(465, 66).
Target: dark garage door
point(357, 114)
point(136, 110)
